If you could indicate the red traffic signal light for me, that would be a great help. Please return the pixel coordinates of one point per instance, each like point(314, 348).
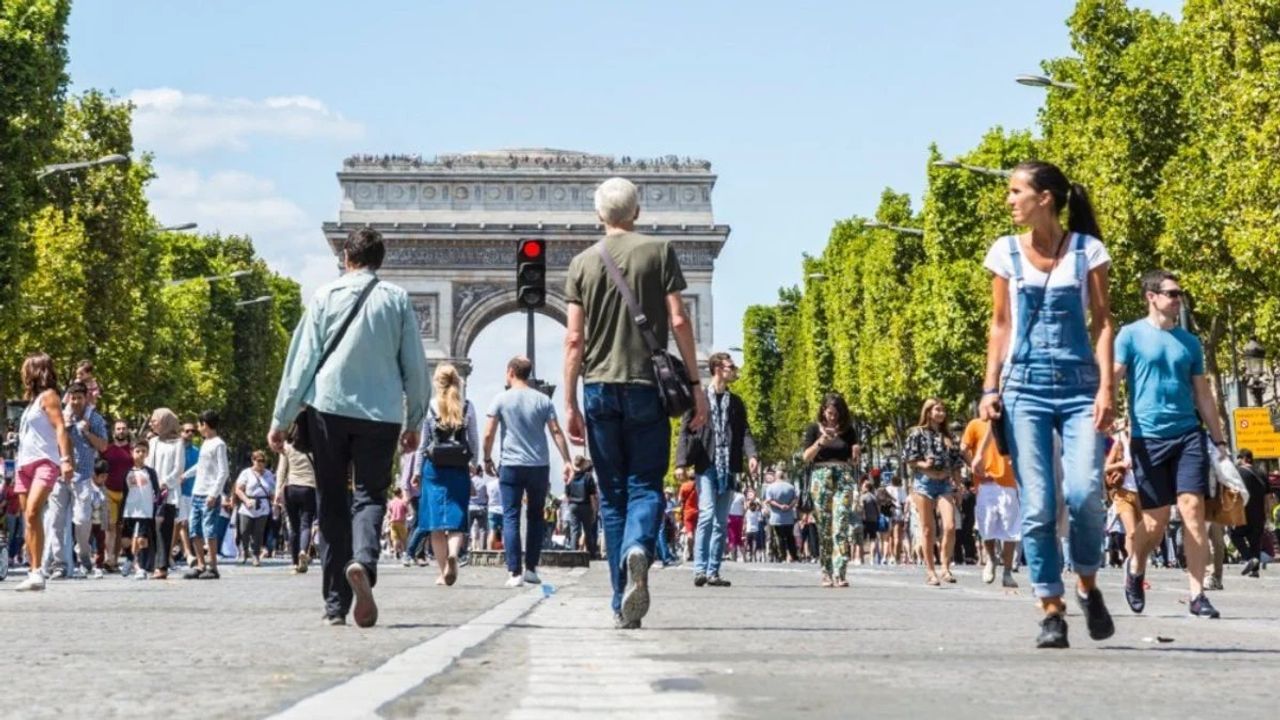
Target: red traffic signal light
point(531, 273)
point(532, 249)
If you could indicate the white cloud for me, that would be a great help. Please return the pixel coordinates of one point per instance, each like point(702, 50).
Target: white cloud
point(172, 122)
point(238, 203)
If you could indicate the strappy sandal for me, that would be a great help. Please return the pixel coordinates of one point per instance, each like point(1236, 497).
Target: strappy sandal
point(842, 583)
point(932, 580)
point(826, 581)
point(948, 577)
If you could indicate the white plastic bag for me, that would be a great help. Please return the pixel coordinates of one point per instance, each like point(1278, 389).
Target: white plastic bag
point(1225, 473)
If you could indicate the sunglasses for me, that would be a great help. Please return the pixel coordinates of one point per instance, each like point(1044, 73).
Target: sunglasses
point(1173, 294)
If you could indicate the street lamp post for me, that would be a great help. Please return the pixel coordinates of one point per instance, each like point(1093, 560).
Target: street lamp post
point(175, 228)
point(1044, 81)
point(255, 301)
point(1255, 357)
point(55, 169)
point(993, 172)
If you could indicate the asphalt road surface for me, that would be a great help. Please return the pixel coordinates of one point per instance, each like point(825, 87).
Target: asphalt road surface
point(775, 645)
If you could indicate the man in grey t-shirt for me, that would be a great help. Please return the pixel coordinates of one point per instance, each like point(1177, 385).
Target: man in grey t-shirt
point(522, 413)
point(782, 498)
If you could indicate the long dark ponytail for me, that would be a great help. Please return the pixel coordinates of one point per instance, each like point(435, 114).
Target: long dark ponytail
point(1048, 177)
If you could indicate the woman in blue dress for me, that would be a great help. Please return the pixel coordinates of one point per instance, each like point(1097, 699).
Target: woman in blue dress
point(450, 438)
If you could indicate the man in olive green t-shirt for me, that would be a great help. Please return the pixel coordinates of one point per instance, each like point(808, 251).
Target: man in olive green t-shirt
point(627, 429)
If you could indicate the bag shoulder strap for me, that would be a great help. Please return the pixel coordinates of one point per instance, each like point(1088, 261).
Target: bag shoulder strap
point(346, 323)
point(637, 314)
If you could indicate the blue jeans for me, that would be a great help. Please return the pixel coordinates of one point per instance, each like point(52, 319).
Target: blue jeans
point(1039, 404)
point(664, 552)
point(630, 440)
point(515, 481)
point(713, 516)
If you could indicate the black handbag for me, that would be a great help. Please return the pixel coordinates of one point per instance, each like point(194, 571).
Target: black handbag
point(669, 372)
point(299, 432)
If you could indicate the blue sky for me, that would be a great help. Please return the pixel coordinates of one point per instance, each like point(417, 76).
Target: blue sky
point(807, 110)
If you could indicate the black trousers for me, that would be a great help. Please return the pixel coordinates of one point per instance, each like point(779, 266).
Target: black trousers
point(1248, 537)
point(163, 543)
point(581, 519)
point(353, 459)
point(300, 506)
point(786, 539)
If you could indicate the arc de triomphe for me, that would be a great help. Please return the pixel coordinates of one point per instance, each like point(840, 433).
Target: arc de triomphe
point(451, 226)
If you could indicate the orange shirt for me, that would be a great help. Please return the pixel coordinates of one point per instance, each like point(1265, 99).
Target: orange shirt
point(689, 498)
point(995, 465)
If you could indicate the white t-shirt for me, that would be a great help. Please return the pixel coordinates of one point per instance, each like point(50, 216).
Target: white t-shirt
point(140, 503)
point(211, 469)
point(738, 505)
point(754, 518)
point(258, 488)
point(1000, 262)
point(495, 495)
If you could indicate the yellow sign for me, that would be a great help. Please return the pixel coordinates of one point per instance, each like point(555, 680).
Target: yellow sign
point(1253, 431)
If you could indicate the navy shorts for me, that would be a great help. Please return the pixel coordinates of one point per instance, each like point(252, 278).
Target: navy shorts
point(1168, 467)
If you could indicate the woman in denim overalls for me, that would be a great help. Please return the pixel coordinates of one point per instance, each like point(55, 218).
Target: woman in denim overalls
point(1057, 390)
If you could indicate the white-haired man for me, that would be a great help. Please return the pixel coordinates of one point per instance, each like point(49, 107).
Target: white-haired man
point(628, 431)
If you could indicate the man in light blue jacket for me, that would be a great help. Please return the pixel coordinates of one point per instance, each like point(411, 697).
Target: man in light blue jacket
point(370, 391)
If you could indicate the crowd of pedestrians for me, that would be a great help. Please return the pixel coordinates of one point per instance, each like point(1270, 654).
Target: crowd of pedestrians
point(1042, 477)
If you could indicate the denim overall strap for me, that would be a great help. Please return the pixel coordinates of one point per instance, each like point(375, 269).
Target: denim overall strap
point(1082, 265)
point(1015, 258)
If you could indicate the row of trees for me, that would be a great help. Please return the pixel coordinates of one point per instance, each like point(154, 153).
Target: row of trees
point(1174, 127)
point(86, 274)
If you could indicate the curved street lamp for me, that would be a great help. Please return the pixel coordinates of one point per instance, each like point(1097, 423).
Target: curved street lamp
point(176, 228)
point(212, 278)
point(1044, 81)
point(980, 170)
point(896, 228)
point(255, 301)
point(55, 169)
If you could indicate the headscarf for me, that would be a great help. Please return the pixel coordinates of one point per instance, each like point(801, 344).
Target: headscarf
point(167, 425)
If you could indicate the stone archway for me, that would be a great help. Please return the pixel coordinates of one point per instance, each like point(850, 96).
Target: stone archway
point(451, 225)
point(472, 318)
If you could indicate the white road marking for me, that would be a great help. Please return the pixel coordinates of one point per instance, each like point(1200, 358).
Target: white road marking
point(597, 671)
point(362, 695)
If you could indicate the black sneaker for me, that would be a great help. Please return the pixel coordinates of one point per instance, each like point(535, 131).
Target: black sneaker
point(717, 581)
point(1095, 612)
point(1053, 632)
point(193, 573)
point(209, 574)
point(621, 624)
point(334, 620)
point(1135, 591)
point(1201, 607)
point(699, 580)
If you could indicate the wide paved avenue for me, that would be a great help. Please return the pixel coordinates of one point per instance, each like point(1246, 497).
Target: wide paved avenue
point(775, 645)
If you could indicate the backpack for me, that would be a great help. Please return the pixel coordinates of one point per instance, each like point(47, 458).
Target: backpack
point(576, 490)
point(448, 447)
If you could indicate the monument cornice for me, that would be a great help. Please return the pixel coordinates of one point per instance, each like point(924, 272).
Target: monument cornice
point(525, 159)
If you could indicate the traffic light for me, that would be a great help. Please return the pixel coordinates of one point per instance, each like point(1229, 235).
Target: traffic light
point(531, 273)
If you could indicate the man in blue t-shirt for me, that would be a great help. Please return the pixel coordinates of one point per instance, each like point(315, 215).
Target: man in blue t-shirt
point(525, 416)
point(1163, 365)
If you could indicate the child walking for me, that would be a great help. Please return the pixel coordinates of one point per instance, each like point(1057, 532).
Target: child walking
point(142, 491)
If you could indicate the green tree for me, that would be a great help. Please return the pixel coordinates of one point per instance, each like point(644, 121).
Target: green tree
point(33, 81)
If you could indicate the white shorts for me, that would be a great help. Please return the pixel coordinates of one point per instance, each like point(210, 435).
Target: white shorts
point(998, 513)
point(184, 509)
